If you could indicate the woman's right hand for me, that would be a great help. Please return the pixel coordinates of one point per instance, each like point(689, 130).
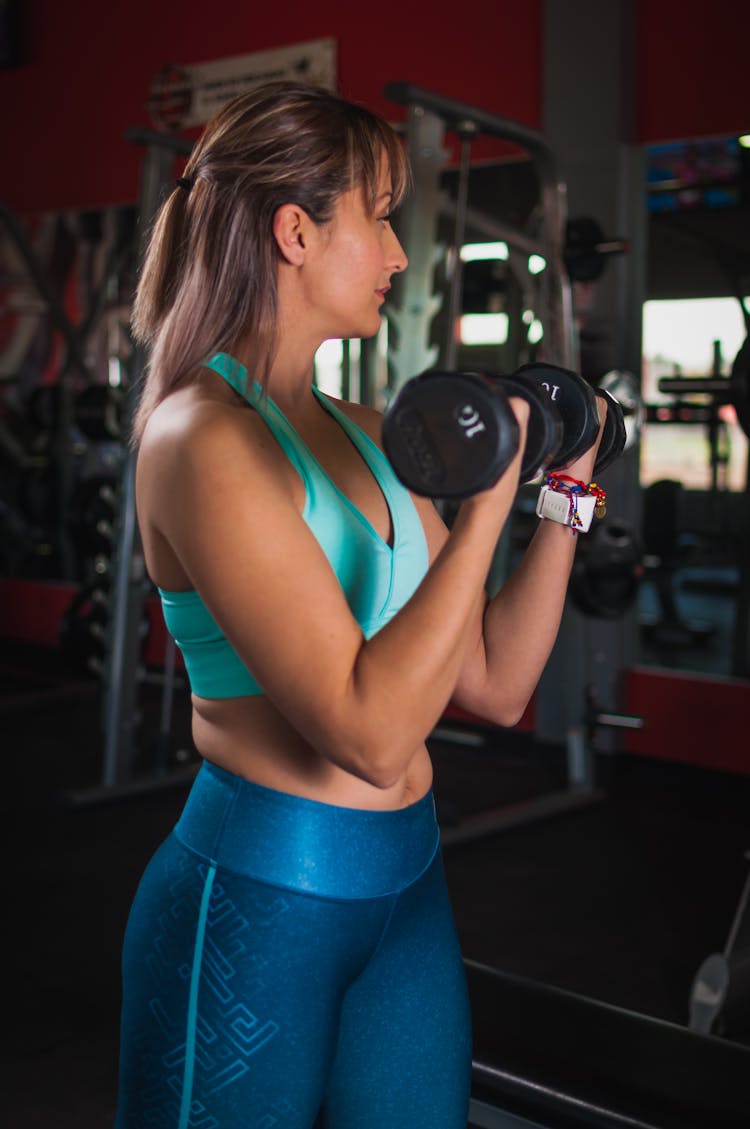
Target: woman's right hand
point(501, 494)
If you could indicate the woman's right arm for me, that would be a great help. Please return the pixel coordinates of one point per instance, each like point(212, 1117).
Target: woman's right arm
point(232, 522)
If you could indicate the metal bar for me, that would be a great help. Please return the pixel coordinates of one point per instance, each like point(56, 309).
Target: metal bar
point(455, 291)
point(415, 301)
point(560, 347)
point(482, 1115)
point(454, 113)
point(139, 135)
point(516, 815)
point(741, 630)
point(136, 786)
point(48, 292)
point(366, 371)
point(494, 229)
point(121, 668)
point(129, 587)
point(713, 385)
point(346, 369)
point(568, 1104)
point(619, 720)
point(468, 737)
point(737, 920)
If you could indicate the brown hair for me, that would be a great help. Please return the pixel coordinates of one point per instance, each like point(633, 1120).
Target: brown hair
point(209, 274)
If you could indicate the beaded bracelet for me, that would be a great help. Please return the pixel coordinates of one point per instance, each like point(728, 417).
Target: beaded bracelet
point(571, 502)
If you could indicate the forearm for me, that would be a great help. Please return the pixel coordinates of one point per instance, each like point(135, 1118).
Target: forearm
point(519, 628)
point(520, 625)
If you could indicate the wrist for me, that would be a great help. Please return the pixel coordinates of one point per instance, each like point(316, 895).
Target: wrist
point(571, 502)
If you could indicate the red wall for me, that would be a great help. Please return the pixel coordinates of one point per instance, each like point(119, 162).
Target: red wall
point(692, 718)
point(89, 67)
point(692, 69)
point(87, 71)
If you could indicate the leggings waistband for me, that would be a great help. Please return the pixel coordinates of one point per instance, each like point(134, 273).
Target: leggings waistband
point(303, 844)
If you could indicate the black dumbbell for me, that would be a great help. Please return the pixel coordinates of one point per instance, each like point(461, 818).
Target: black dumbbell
point(448, 434)
point(614, 435)
point(576, 400)
point(545, 432)
point(451, 434)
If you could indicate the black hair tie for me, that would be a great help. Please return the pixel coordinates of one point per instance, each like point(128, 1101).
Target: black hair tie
point(184, 182)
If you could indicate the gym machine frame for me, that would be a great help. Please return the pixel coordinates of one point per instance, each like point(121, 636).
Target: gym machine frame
point(122, 663)
point(734, 390)
point(74, 359)
point(429, 117)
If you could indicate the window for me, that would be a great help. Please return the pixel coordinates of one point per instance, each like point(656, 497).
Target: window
point(691, 337)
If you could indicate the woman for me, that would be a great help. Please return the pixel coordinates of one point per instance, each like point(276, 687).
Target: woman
point(291, 954)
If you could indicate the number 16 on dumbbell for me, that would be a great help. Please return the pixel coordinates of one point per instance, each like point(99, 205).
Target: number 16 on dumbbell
point(451, 434)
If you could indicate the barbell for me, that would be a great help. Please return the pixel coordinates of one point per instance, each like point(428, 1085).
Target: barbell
point(733, 389)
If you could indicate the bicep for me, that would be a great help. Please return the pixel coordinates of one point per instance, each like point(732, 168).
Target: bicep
point(471, 682)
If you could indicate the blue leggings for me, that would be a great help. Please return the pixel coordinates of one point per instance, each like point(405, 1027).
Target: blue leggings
point(286, 960)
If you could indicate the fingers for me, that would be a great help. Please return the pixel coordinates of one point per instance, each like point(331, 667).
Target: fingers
point(521, 410)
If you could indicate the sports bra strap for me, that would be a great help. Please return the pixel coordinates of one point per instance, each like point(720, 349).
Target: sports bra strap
point(237, 377)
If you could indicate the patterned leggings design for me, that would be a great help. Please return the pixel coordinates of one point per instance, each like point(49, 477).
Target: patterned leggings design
point(286, 960)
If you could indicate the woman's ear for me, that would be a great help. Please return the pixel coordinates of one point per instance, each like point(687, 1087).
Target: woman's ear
point(289, 227)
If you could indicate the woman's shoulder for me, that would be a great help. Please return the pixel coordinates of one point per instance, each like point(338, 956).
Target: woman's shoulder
point(193, 429)
point(191, 416)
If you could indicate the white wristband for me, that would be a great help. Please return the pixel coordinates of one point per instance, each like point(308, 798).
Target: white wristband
point(575, 510)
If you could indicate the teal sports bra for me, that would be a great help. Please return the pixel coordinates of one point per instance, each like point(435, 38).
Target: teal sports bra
point(376, 579)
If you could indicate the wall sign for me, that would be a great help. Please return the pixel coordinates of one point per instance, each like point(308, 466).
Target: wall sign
point(183, 96)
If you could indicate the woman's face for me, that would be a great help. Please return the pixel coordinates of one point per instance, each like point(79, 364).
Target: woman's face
point(354, 260)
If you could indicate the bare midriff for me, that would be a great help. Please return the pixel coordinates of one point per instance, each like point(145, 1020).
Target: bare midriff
point(249, 738)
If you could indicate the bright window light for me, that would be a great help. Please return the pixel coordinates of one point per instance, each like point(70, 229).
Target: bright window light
point(484, 329)
point(678, 337)
point(744, 141)
point(328, 364)
point(471, 252)
point(114, 372)
point(536, 332)
point(536, 264)
point(681, 333)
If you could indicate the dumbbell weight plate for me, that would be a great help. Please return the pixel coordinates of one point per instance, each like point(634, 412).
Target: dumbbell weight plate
point(614, 434)
point(575, 400)
point(449, 435)
point(545, 430)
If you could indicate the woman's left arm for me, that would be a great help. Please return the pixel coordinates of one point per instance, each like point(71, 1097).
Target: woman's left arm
point(515, 632)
